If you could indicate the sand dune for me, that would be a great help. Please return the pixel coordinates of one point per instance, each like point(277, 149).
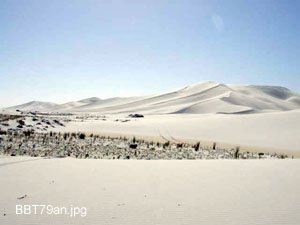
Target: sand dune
point(34, 105)
point(250, 115)
point(202, 98)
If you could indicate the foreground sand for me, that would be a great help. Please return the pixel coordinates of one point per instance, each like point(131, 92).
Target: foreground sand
point(153, 192)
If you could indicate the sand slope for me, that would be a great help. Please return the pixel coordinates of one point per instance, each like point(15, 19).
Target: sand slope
point(131, 192)
point(278, 131)
point(33, 105)
point(207, 97)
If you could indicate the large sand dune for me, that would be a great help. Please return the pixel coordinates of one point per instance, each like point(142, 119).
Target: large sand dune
point(245, 115)
point(208, 97)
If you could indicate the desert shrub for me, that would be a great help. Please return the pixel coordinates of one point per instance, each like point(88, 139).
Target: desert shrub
point(236, 153)
point(81, 136)
point(46, 121)
point(21, 122)
point(5, 117)
point(197, 146)
point(66, 135)
point(27, 133)
point(214, 145)
point(133, 146)
point(166, 144)
point(180, 145)
point(3, 132)
point(57, 122)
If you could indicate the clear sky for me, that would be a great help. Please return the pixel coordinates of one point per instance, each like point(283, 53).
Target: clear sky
point(65, 50)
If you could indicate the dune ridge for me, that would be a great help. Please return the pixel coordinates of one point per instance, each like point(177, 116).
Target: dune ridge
point(200, 98)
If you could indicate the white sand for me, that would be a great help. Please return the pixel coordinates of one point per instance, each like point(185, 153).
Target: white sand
point(277, 131)
point(153, 192)
point(201, 98)
point(251, 116)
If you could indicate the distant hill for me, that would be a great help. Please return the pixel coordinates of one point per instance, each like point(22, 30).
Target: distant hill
point(33, 105)
point(201, 98)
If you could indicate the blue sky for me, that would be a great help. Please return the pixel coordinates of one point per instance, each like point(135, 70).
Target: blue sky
point(62, 50)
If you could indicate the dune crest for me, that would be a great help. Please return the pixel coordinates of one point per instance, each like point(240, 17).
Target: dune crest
point(200, 98)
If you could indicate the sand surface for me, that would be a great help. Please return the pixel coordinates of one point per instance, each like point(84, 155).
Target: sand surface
point(276, 132)
point(253, 117)
point(153, 192)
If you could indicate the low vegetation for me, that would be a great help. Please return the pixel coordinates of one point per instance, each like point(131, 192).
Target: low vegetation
point(80, 145)
point(7, 117)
